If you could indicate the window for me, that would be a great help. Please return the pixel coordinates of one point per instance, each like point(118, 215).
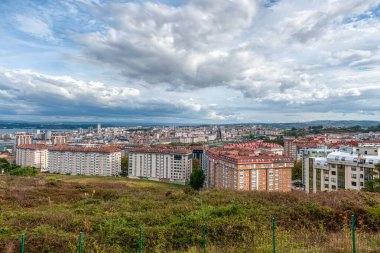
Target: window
point(333, 187)
point(353, 168)
point(361, 184)
point(353, 175)
point(361, 176)
point(353, 183)
point(333, 173)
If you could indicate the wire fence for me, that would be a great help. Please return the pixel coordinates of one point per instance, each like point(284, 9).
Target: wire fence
point(352, 240)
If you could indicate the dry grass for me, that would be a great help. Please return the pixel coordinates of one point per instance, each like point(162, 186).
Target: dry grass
point(52, 209)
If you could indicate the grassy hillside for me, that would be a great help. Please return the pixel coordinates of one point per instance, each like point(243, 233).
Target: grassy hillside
point(51, 210)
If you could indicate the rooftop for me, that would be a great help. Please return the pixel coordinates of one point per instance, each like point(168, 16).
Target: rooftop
point(101, 149)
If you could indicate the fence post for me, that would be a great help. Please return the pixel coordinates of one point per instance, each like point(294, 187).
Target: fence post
point(22, 243)
point(141, 240)
point(204, 238)
point(353, 226)
point(80, 243)
point(274, 234)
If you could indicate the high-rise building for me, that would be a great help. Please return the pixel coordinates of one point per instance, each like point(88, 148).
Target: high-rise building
point(96, 161)
point(59, 139)
point(248, 168)
point(23, 139)
point(32, 155)
point(99, 129)
point(73, 160)
point(161, 163)
point(48, 135)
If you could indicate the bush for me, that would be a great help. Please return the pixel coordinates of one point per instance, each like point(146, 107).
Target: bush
point(26, 171)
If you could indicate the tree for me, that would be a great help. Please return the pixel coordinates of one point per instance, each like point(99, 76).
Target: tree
point(297, 170)
point(196, 164)
point(124, 166)
point(374, 184)
point(197, 179)
point(4, 164)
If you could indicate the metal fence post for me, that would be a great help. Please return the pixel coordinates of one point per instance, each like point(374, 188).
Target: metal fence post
point(274, 234)
point(204, 238)
point(22, 243)
point(353, 226)
point(80, 243)
point(141, 240)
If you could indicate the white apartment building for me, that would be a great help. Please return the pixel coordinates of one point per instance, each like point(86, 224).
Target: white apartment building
point(340, 171)
point(33, 156)
point(63, 159)
point(164, 164)
point(92, 161)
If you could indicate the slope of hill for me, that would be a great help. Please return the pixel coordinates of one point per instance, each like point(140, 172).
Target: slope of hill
point(51, 210)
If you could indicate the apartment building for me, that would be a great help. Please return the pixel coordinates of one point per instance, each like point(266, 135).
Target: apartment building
point(33, 156)
point(73, 160)
point(94, 161)
point(23, 139)
point(248, 169)
point(340, 171)
point(161, 163)
point(58, 139)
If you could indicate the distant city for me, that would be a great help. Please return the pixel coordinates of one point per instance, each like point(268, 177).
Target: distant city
point(243, 157)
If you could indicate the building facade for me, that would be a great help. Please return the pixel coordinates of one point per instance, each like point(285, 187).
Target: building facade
point(161, 163)
point(59, 139)
point(91, 161)
point(32, 155)
point(73, 160)
point(23, 139)
point(340, 171)
point(248, 170)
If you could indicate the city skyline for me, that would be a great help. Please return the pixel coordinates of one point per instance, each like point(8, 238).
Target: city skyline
point(189, 61)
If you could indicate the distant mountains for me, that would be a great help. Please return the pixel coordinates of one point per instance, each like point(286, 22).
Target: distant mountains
point(324, 123)
point(75, 125)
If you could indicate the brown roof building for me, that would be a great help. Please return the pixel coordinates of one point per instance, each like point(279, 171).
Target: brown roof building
point(246, 168)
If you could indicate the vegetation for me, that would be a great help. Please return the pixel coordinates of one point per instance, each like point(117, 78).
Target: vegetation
point(52, 209)
point(196, 164)
point(200, 143)
point(16, 170)
point(124, 166)
point(297, 170)
point(373, 185)
point(197, 179)
point(299, 132)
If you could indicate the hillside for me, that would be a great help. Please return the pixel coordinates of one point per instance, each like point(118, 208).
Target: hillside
point(51, 210)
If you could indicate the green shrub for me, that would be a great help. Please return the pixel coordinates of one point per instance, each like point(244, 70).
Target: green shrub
point(24, 171)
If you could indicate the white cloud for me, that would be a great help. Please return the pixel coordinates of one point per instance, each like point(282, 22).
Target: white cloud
point(34, 27)
point(295, 55)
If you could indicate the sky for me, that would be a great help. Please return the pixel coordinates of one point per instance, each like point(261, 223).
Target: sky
point(195, 61)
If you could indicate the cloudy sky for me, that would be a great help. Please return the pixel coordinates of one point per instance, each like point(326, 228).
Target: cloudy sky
point(195, 61)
